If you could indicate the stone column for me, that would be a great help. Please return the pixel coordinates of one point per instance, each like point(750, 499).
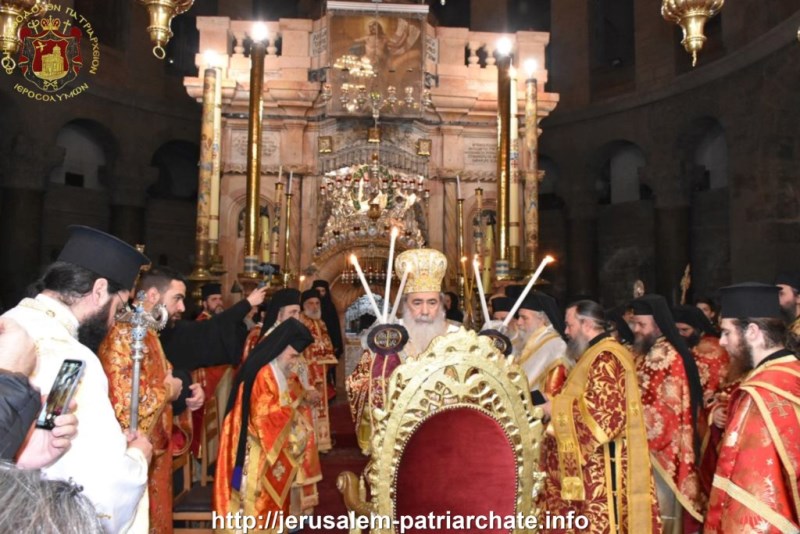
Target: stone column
point(581, 261)
point(26, 164)
point(128, 199)
point(671, 228)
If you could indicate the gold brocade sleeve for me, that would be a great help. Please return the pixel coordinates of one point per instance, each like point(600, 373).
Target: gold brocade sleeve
point(115, 356)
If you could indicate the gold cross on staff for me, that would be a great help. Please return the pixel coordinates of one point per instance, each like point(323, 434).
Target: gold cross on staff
point(778, 403)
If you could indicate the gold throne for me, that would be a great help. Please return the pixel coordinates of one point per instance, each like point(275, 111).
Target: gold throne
point(457, 436)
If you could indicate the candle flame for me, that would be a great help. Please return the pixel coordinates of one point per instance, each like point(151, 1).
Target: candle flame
point(353, 259)
point(549, 259)
point(463, 259)
point(395, 231)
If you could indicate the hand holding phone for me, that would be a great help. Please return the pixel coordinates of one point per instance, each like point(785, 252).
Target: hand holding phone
point(43, 447)
point(58, 400)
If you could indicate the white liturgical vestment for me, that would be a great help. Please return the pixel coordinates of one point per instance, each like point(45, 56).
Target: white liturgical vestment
point(113, 477)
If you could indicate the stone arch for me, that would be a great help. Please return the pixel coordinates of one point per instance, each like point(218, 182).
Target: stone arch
point(90, 149)
point(616, 167)
point(176, 162)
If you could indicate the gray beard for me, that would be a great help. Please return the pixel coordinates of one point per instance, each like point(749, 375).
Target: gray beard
point(576, 347)
point(421, 332)
point(642, 345)
point(314, 315)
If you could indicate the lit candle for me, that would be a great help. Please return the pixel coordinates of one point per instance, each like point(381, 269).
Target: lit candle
point(365, 285)
point(545, 261)
point(458, 187)
point(389, 275)
point(400, 293)
point(477, 268)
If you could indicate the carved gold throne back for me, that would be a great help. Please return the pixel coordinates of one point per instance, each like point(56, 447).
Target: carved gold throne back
point(458, 435)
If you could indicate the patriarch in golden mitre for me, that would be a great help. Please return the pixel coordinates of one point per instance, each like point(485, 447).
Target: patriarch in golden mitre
point(423, 317)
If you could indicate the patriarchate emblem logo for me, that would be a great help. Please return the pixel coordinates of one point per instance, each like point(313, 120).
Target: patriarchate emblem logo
point(51, 58)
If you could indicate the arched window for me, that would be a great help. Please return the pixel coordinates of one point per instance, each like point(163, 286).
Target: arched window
point(612, 60)
point(712, 156)
point(618, 170)
point(176, 162)
point(88, 149)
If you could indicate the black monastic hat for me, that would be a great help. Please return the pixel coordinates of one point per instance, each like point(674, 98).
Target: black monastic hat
point(309, 294)
point(103, 254)
point(542, 302)
point(791, 279)
point(750, 299)
point(210, 289)
point(694, 317)
point(281, 298)
point(320, 283)
point(501, 304)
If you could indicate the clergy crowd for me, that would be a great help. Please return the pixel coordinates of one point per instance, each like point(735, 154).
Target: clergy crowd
point(658, 418)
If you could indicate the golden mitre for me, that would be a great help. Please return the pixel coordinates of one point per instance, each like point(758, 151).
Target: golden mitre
point(426, 266)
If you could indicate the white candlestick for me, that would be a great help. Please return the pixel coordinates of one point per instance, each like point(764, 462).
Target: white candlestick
point(289, 190)
point(477, 269)
point(280, 173)
point(365, 285)
point(458, 187)
point(389, 275)
point(527, 289)
point(399, 293)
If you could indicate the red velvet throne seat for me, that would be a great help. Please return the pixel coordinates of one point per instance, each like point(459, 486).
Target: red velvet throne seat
point(456, 438)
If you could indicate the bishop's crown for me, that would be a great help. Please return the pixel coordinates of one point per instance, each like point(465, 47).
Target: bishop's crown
point(427, 269)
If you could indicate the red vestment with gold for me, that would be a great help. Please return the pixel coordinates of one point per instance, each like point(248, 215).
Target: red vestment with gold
point(274, 451)
point(712, 365)
point(597, 461)
point(670, 429)
point(155, 410)
point(319, 356)
point(712, 440)
point(757, 480)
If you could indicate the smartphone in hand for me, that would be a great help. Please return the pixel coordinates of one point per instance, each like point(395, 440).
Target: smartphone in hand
point(61, 393)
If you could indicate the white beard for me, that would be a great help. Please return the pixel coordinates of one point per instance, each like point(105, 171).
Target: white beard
point(314, 315)
point(421, 333)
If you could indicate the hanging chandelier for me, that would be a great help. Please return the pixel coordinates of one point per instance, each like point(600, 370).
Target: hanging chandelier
point(14, 13)
point(161, 14)
point(691, 16)
point(358, 91)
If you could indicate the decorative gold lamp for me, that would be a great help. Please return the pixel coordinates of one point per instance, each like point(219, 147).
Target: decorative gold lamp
point(161, 14)
point(14, 13)
point(691, 16)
